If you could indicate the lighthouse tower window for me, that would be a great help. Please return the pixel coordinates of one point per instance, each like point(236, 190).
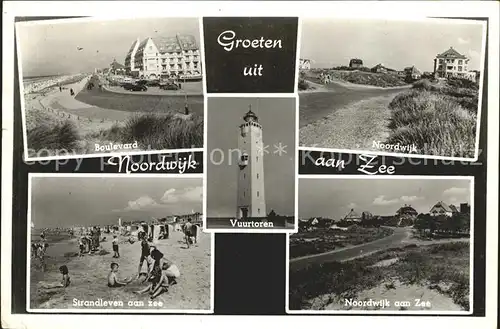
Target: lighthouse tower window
point(257, 193)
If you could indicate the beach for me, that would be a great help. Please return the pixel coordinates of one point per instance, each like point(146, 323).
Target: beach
point(89, 276)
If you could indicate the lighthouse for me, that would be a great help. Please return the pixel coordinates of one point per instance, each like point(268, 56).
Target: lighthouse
point(251, 196)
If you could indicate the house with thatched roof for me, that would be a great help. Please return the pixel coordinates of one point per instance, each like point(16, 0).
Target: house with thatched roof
point(353, 216)
point(412, 73)
point(379, 68)
point(442, 208)
point(406, 215)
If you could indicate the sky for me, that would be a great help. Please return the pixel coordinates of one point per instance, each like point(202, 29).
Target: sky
point(334, 198)
point(51, 49)
point(70, 201)
point(396, 44)
point(277, 117)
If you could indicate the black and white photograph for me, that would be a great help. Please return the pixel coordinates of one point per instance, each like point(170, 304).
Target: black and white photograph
point(251, 164)
point(412, 87)
point(92, 87)
point(118, 242)
point(394, 244)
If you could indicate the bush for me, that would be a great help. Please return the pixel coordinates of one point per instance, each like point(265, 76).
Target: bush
point(59, 136)
point(303, 85)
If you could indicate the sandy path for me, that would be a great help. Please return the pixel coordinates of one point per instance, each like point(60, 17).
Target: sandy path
point(354, 126)
point(88, 277)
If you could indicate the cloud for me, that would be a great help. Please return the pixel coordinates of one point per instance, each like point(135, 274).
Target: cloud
point(381, 201)
point(352, 205)
point(406, 198)
point(474, 54)
point(140, 203)
point(456, 191)
point(190, 194)
point(463, 41)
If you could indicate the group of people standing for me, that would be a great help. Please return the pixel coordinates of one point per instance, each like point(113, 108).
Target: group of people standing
point(89, 243)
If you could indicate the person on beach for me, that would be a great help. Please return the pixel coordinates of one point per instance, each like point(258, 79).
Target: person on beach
point(169, 275)
point(190, 232)
point(65, 281)
point(81, 245)
point(113, 281)
point(145, 252)
point(115, 247)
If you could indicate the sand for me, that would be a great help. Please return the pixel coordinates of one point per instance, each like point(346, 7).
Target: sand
point(355, 126)
point(415, 297)
point(88, 277)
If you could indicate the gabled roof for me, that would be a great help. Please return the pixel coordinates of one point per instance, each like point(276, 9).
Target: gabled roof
point(412, 70)
point(451, 53)
point(406, 209)
point(142, 45)
point(443, 205)
point(115, 65)
point(352, 215)
point(132, 47)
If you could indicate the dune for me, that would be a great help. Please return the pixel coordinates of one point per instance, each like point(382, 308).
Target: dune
point(89, 278)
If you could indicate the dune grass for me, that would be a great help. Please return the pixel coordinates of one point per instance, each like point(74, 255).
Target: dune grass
point(47, 131)
point(425, 266)
point(56, 136)
point(440, 119)
point(157, 131)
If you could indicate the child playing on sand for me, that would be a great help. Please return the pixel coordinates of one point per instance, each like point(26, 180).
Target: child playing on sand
point(113, 281)
point(115, 247)
point(169, 274)
point(64, 282)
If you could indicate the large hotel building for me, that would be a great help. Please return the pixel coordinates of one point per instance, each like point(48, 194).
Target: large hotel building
point(157, 57)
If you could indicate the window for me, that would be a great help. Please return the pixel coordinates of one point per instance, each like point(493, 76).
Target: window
point(243, 193)
point(257, 159)
point(460, 69)
point(460, 62)
point(257, 193)
point(257, 176)
point(244, 175)
point(258, 210)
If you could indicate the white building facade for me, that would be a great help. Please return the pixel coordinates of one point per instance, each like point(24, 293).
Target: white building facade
point(452, 64)
point(251, 201)
point(158, 57)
